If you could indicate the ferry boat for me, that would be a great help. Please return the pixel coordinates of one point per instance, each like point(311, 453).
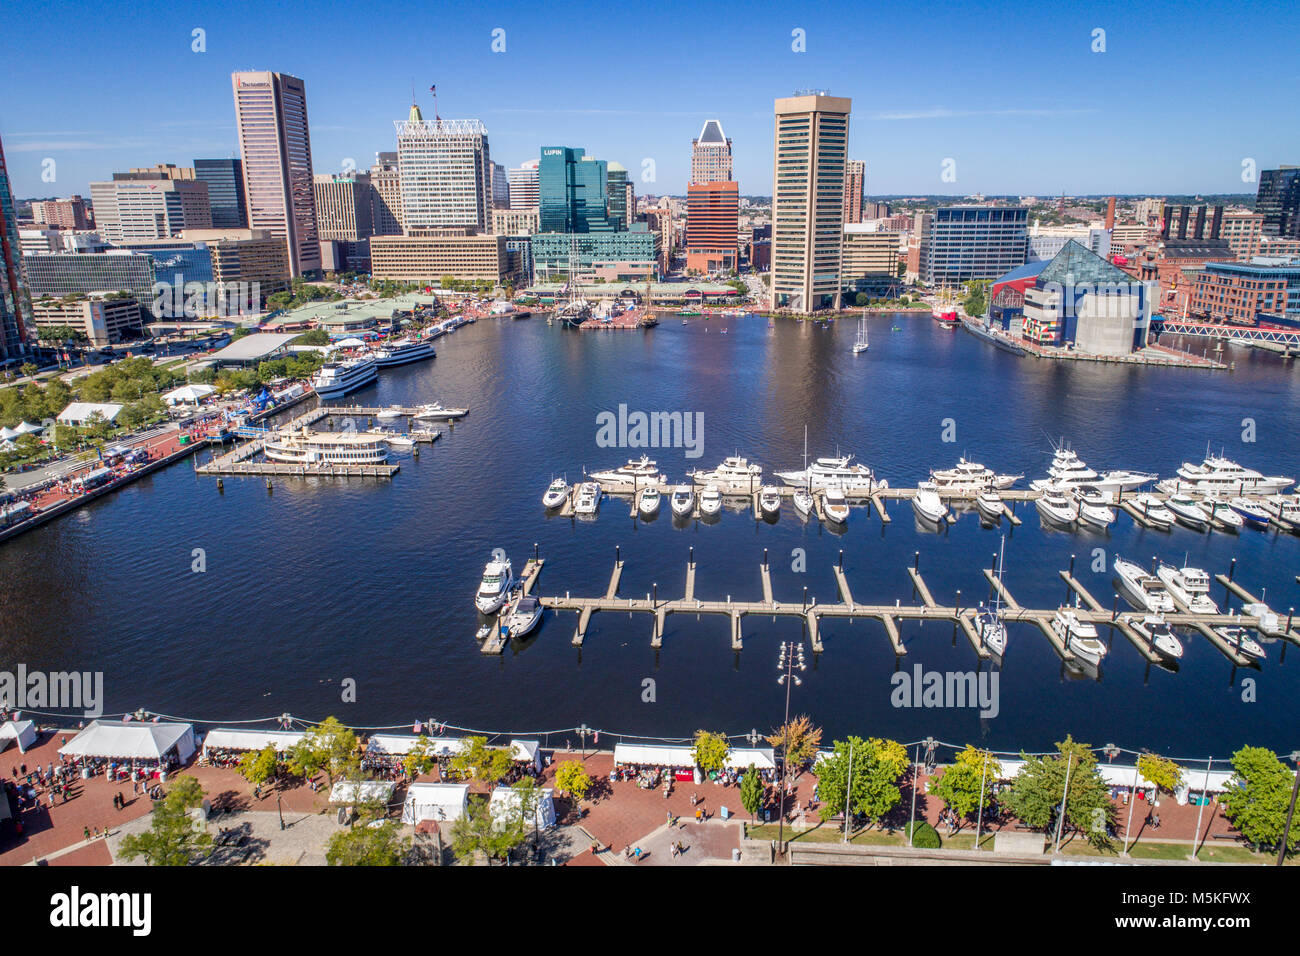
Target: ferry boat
point(1190, 587)
point(682, 500)
point(927, 504)
point(588, 500)
point(971, 477)
point(1221, 477)
point(557, 493)
point(1079, 637)
point(1067, 471)
point(1155, 630)
point(735, 474)
point(402, 351)
point(840, 473)
point(306, 447)
point(334, 379)
point(495, 586)
point(1144, 591)
point(637, 471)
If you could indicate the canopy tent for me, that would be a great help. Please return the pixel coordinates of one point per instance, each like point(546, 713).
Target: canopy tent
point(445, 746)
point(349, 343)
point(391, 743)
point(442, 802)
point(1197, 781)
point(361, 791)
point(188, 394)
point(132, 740)
point(24, 428)
point(79, 413)
point(527, 751)
point(7, 445)
point(740, 758)
point(7, 433)
point(506, 801)
point(654, 755)
point(240, 738)
point(21, 732)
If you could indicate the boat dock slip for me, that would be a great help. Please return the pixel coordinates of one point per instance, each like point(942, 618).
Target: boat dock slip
point(528, 577)
point(919, 585)
point(1007, 597)
point(880, 506)
point(1285, 632)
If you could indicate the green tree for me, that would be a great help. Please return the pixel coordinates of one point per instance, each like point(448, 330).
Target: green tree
point(328, 746)
point(872, 788)
point(368, 845)
point(419, 759)
point(963, 782)
point(1257, 797)
point(259, 766)
point(477, 761)
point(173, 839)
point(798, 741)
point(477, 831)
point(572, 779)
point(751, 792)
point(1163, 772)
point(710, 751)
point(1035, 794)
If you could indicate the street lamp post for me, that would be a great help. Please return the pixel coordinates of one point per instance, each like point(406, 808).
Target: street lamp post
point(787, 664)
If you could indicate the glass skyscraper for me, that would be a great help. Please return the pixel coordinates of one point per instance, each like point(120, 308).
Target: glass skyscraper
point(573, 191)
point(225, 179)
point(1278, 201)
point(15, 307)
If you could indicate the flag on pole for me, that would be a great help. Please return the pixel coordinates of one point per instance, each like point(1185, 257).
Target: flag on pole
point(433, 90)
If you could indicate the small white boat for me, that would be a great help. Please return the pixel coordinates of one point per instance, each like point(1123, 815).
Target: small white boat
point(991, 630)
point(1094, 508)
point(769, 501)
point(1253, 513)
point(682, 500)
point(835, 506)
point(522, 616)
point(557, 493)
point(1155, 630)
point(495, 586)
point(389, 413)
point(588, 500)
point(710, 501)
point(647, 502)
point(1057, 509)
point(927, 504)
point(1222, 515)
point(1153, 510)
point(1190, 588)
point(1144, 591)
point(1079, 637)
point(990, 505)
point(1240, 641)
point(398, 440)
point(436, 411)
point(803, 501)
point(1188, 512)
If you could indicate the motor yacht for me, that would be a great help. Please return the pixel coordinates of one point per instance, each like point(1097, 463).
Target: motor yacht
point(521, 616)
point(647, 502)
point(335, 379)
point(682, 500)
point(495, 586)
point(1154, 512)
point(1285, 509)
point(1190, 588)
point(1056, 509)
point(1144, 591)
point(1079, 637)
point(1094, 507)
point(841, 472)
point(394, 438)
point(436, 411)
point(557, 493)
point(391, 413)
point(1252, 513)
point(1188, 512)
point(1221, 515)
point(1239, 639)
point(769, 501)
point(1068, 471)
point(835, 506)
point(588, 500)
point(971, 477)
point(710, 501)
point(1159, 636)
point(641, 471)
point(927, 504)
point(1221, 477)
point(735, 474)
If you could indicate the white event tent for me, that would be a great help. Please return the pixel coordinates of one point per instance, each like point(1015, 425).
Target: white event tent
point(442, 802)
point(240, 738)
point(132, 740)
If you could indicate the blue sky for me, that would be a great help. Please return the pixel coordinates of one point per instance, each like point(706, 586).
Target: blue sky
point(1013, 92)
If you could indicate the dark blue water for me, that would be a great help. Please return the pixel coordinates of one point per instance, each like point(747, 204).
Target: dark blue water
point(323, 580)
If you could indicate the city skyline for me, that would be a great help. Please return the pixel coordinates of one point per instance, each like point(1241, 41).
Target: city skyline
point(965, 88)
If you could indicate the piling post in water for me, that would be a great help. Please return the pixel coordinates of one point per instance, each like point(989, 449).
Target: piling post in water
point(765, 557)
point(534, 550)
point(1232, 568)
point(841, 558)
point(916, 561)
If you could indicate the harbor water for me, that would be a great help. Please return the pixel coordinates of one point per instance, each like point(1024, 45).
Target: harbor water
point(247, 602)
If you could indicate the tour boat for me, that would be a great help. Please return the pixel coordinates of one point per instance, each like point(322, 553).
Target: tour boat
point(682, 500)
point(522, 616)
point(1144, 591)
point(1252, 513)
point(637, 471)
point(1079, 637)
point(1188, 512)
point(1190, 588)
point(1067, 471)
point(495, 586)
point(588, 500)
point(734, 474)
point(557, 492)
point(334, 379)
point(839, 472)
point(971, 477)
point(1220, 476)
point(710, 501)
point(990, 505)
point(401, 351)
point(927, 504)
point(647, 502)
point(304, 446)
point(1055, 508)
point(769, 501)
point(1159, 636)
point(835, 506)
point(1154, 512)
point(1239, 639)
point(1222, 515)
point(1093, 508)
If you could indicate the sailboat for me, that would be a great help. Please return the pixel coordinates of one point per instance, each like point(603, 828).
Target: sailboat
point(803, 498)
point(861, 344)
point(990, 627)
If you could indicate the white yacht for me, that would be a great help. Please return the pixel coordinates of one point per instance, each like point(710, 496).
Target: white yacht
point(971, 477)
point(1144, 591)
point(394, 438)
point(401, 351)
point(641, 471)
point(840, 472)
point(1153, 510)
point(1188, 512)
point(682, 500)
point(927, 504)
point(990, 505)
point(1220, 476)
point(1155, 630)
point(769, 501)
point(1285, 509)
point(991, 629)
point(1253, 513)
point(710, 501)
point(803, 501)
point(391, 413)
point(1079, 637)
point(1068, 471)
point(860, 345)
point(588, 500)
point(1190, 588)
point(834, 505)
point(306, 447)
point(334, 379)
point(1094, 507)
point(647, 502)
point(734, 474)
point(1055, 508)
point(495, 586)
point(557, 493)
point(1239, 639)
point(522, 616)
point(436, 411)
point(1222, 515)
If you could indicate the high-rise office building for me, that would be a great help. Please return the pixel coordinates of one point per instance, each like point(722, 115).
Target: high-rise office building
point(386, 196)
point(1278, 201)
point(275, 145)
point(855, 175)
point(573, 191)
point(811, 148)
point(446, 172)
point(523, 185)
point(343, 206)
point(67, 213)
point(149, 204)
point(15, 306)
point(622, 202)
point(500, 187)
point(961, 243)
point(712, 214)
point(711, 155)
point(225, 179)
